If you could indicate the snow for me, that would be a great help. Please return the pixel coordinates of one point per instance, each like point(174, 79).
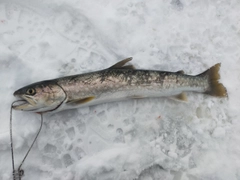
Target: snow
point(135, 139)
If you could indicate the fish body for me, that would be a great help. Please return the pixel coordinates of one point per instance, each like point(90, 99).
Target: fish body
point(119, 82)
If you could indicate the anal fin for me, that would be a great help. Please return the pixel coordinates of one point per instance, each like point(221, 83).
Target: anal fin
point(181, 97)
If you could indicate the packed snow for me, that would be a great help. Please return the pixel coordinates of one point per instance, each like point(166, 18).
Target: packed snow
point(143, 139)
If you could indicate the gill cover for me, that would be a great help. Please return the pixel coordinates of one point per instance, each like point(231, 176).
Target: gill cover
point(42, 96)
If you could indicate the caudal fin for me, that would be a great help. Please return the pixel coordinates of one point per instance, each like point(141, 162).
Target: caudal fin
point(215, 88)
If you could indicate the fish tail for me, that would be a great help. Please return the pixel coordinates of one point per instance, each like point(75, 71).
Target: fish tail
point(215, 87)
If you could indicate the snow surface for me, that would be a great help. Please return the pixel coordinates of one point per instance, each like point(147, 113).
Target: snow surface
point(136, 139)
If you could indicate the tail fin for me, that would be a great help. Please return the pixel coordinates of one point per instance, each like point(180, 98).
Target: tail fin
point(215, 88)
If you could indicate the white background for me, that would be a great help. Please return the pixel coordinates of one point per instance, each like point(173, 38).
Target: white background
point(135, 139)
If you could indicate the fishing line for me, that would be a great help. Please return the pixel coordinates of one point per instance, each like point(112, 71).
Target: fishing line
point(17, 174)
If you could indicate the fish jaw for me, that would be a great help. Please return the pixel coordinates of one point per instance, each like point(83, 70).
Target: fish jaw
point(25, 106)
point(27, 103)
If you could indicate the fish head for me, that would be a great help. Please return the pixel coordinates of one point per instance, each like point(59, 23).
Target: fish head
point(40, 97)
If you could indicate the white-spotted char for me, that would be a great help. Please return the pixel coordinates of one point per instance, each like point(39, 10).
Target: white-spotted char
point(119, 82)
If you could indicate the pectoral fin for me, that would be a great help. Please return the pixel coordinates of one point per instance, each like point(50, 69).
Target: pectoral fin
point(80, 101)
point(121, 64)
point(181, 97)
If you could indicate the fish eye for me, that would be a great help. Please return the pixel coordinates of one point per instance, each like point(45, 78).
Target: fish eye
point(31, 91)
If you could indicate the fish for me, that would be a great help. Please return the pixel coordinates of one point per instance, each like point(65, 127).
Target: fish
point(119, 82)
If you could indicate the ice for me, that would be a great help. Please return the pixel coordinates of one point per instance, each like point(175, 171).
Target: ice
point(110, 126)
point(137, 139)
point(219, 132)
point(49, 148)
point(67, 160)
point(81, 128)
point(71, 132)
point(155, 172)
point(177, 4)
point(79, 152)
point(119, 138)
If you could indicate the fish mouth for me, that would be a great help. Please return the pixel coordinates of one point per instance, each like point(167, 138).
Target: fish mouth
point(24, 103)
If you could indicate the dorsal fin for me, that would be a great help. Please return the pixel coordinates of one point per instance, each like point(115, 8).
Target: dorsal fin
point(121, 64)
